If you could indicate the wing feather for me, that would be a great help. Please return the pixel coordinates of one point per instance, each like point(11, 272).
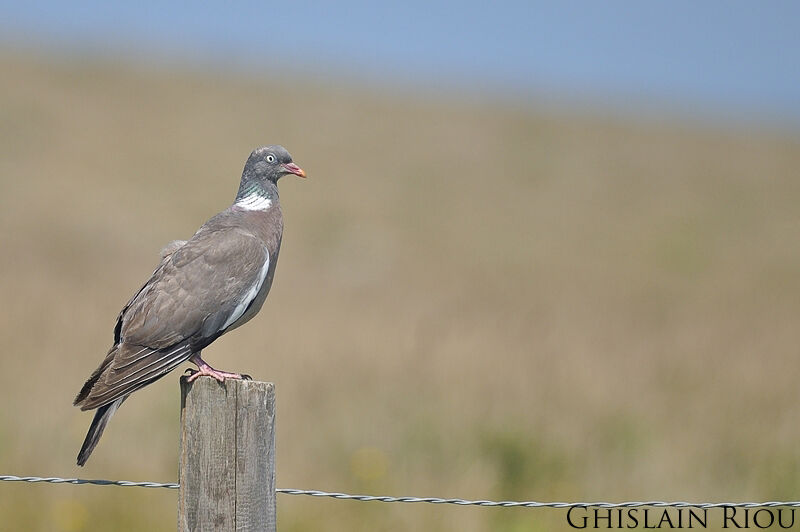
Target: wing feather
point(198, 290)
point(116, 384)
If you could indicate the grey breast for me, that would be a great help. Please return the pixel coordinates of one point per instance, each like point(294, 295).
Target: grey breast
point(268, 227)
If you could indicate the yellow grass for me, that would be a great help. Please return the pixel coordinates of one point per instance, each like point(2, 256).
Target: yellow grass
point(473, 299)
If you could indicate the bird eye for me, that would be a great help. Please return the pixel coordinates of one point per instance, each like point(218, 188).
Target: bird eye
point(270, 158)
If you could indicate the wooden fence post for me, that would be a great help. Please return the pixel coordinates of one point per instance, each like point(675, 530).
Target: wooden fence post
point(227, 455)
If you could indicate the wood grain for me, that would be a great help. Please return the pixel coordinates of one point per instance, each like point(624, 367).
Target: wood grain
point(227, 457)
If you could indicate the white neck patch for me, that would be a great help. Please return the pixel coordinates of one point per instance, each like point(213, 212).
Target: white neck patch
point(254, 202)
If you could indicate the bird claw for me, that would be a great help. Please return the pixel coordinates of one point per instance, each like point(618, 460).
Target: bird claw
point(203, 369)
point(246, 377)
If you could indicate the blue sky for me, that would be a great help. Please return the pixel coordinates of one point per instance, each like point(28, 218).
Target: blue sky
point(730, 58)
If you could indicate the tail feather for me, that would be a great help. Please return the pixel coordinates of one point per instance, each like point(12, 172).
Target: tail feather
point(99, 422)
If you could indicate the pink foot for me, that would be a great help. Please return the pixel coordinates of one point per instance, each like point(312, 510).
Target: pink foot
point(204, 369)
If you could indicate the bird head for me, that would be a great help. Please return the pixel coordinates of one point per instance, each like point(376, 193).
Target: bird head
point(270, 163)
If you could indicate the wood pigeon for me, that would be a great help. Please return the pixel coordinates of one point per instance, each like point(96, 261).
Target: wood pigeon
point(203, 288)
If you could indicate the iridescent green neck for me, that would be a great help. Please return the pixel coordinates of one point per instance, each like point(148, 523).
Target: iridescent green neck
point(256, 195)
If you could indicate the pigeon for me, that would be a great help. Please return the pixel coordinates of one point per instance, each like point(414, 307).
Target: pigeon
point(201, 289)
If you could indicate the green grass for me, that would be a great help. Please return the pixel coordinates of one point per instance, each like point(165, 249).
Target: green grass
point(473, 299)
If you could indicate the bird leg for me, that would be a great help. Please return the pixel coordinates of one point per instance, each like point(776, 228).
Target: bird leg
point(204, 369)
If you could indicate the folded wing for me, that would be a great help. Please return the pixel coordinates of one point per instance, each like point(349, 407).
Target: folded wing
point(198, 291)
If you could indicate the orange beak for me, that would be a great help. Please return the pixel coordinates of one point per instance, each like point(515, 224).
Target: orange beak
point(294, 169)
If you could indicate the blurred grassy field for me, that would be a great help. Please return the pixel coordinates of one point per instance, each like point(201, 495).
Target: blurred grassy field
point(473, 299)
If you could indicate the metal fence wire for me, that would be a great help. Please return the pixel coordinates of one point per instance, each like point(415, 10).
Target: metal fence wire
point(431, 500)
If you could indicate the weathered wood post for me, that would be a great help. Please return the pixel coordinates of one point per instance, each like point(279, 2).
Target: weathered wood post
point(227, 455)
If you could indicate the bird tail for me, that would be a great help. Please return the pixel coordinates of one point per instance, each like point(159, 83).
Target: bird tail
point(99, 422)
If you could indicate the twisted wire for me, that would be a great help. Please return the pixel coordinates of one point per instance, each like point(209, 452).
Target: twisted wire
point(96, 482)
point(430, 500)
